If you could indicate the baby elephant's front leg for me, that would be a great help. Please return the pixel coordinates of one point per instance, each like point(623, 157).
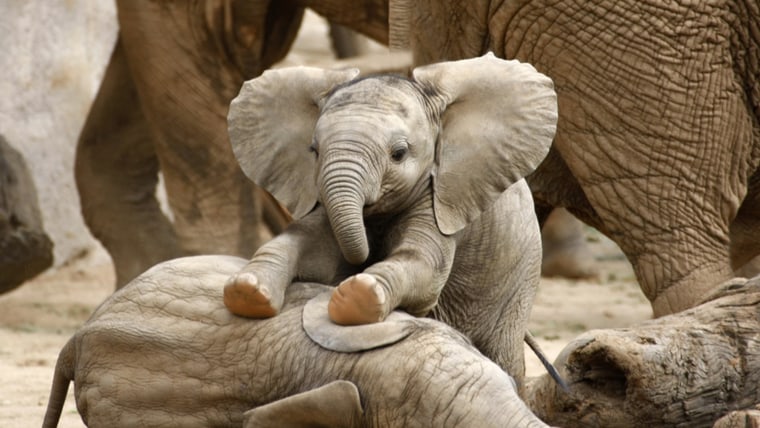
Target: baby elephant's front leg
point(258, 290)
point(410, 278)
point(360, 299)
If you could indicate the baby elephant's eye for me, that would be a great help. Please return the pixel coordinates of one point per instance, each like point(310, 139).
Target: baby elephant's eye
point(398, 154)
point(314, 147)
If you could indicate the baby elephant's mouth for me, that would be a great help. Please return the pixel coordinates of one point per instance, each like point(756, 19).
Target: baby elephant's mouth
point(369, 210)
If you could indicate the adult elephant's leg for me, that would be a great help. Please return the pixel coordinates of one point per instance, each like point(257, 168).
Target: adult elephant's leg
point(749, 269)
point(346, 43)
point(367, 17)
point(116, 173)
point(660, 144)
point(745, 232)
point(565, 250)
point(667, 198)
point(188, 60)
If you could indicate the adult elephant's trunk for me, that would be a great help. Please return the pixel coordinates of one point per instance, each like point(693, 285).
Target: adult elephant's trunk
point(343, 197)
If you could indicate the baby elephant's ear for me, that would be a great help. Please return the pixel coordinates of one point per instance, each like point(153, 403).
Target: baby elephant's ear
point(497, 126)
point(336, 404)
point(356, 338)
point(271, 123)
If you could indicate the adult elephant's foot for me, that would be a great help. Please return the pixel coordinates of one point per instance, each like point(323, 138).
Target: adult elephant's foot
point(357, 300)
point(569, 262)
point(565, 250)
point(246, 296)
point(750, 269)
point(671, 293)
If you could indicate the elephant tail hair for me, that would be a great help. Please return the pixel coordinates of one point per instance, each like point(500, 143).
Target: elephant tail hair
point(64, 374)
point(531, 341)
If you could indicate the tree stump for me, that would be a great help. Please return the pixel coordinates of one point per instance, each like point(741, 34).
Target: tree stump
point(25, 248)
point(749, 418)
point(684, 370)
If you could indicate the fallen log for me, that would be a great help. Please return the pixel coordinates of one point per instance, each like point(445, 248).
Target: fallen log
point(684, 370)
point(748, 418)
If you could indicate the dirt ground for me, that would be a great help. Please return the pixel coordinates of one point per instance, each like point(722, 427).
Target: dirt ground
point(38, 318)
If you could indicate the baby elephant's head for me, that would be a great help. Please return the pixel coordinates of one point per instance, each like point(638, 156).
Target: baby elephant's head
point(374, 145)
point(463, 130)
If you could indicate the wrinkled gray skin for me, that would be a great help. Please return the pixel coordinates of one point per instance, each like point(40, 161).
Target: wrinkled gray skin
point(164, 351)
point(417, 185)
point(658, 138)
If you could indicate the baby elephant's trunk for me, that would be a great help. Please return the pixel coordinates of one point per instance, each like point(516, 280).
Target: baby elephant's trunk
point(344, 202)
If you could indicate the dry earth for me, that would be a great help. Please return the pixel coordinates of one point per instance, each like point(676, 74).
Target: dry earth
point(38, 318)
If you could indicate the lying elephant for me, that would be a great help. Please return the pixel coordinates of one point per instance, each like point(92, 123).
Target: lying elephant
point(164, 351)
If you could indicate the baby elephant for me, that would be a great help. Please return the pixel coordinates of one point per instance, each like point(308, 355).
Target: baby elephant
point(164, 351)
point(404, 191)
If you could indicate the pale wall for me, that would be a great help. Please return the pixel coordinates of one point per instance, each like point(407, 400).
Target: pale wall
point(52, 57)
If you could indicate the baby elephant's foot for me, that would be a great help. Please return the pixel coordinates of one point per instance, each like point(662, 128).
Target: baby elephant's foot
point(245, 296)
point(357, 300)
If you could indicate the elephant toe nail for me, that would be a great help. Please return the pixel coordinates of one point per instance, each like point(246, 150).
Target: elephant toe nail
point(265, 294)
point(366, 278)
point(380, 294)
point(248, 278)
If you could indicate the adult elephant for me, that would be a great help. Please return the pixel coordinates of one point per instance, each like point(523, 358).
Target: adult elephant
point(162, 106)
point(658, 138)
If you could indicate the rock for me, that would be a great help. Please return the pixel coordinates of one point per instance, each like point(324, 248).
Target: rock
point(25, 248)
point(54, 55)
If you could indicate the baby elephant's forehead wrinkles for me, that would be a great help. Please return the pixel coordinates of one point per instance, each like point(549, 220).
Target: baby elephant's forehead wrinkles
point(384, 94)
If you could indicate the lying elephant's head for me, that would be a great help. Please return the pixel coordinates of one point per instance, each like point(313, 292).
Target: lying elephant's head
point(371, 145)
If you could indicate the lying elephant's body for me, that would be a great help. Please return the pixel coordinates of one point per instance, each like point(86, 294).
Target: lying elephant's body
point(165, 351)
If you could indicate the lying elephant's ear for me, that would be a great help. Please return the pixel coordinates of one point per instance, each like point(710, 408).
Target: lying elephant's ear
point(356, 338)
point(497, 126)
point(271, 123)
point(336, 404)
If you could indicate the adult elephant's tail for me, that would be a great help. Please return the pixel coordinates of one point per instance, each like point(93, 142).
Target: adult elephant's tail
point(64, 374)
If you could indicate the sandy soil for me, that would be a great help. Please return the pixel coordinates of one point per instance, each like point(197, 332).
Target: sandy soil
point(38, 318)
point(35, 321)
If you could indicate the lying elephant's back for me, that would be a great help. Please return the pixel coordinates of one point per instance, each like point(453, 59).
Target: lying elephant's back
point(164, 351)
point(166, 341)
